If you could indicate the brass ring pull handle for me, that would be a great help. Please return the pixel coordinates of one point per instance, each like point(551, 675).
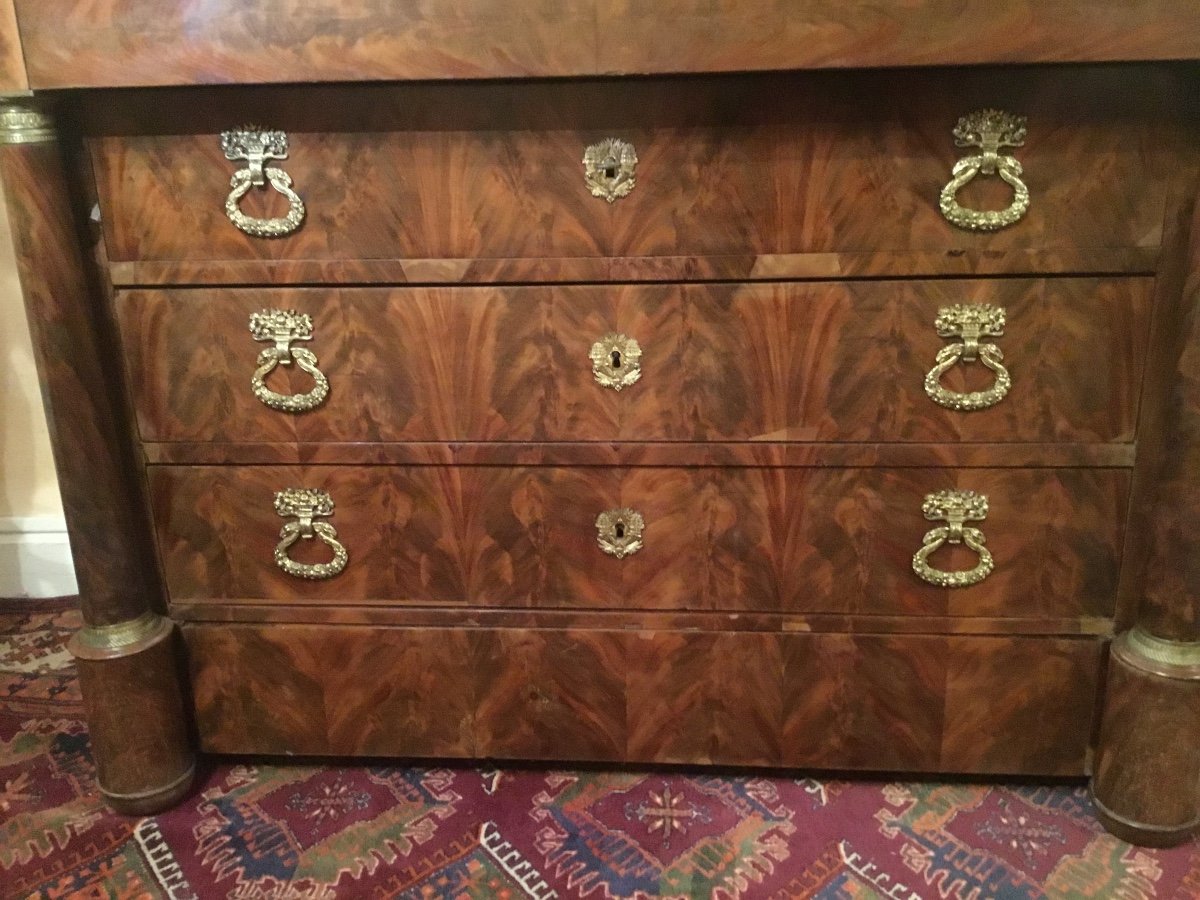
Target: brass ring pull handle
point(988, 129)
point(616, 361)
point(955, 508)
point(255, 147)
point(305, 505)
point(610, 169)
point(619, 532)
point(284, 326)
point(970, 323)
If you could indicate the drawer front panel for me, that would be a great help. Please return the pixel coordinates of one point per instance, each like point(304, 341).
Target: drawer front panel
point(752, 166)
point(413, 195)
point(763, 539)
point(916, 703)
point(782, 362)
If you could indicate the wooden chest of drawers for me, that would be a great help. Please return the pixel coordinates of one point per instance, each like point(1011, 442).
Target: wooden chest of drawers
point(789, 418)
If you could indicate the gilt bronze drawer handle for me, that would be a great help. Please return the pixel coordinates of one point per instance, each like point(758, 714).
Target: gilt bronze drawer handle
point(616, 361)
point(305, 505)
point(609, 168)
point(619, 532)
point(988, 129)
point(955, 508)
point(284, 326)
point(969, 323)
point(255, 147)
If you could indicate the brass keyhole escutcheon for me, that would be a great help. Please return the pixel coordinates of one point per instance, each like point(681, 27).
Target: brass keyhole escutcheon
point(619, 532)
point(616, 361)
point(609, 169)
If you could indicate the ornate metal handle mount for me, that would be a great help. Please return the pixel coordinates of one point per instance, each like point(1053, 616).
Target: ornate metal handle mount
point(969, 323)
point(305, 505)
point(988, 129)
point(284, 326)
point(956, 508)
point(256, 147)
point(609, 169)
point(619, 532)
point(616, 361)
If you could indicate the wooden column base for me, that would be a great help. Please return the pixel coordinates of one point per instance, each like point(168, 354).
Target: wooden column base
point(136, 716)
point(1146, 783)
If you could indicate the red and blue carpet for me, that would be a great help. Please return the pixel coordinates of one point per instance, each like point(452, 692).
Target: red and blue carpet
point(256, 831)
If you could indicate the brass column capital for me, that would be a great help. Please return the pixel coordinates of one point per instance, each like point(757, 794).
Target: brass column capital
point(24, 121)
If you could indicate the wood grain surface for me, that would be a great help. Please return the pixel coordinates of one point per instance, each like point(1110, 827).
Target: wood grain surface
point(1147, 772)
point(90, 432)
point(644, 453)
point(848, 165)
point(71, 43)
point(845, 701)
point(769, 540)
point(748, 267)
point(1163, 578)
point(771, 362)
point(407, 616)
point(146, 768)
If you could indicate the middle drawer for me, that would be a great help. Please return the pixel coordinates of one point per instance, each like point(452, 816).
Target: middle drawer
point(1025, 360)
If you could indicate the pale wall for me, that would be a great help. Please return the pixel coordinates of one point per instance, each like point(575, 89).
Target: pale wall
point(34, 560)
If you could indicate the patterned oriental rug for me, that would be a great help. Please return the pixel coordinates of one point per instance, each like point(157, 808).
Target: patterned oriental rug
point(259, 831)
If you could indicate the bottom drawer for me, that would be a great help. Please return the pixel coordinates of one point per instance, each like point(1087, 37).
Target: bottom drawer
point(932, 703)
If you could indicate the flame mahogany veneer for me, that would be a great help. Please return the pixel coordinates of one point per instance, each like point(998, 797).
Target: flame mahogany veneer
point(780, 261)
point(841, 361)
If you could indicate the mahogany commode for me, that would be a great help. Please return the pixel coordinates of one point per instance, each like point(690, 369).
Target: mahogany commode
point(736, 413)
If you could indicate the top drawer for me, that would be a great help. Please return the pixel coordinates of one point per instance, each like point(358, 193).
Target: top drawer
point(781, 176)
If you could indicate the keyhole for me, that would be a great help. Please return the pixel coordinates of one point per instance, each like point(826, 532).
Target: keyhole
point(610, 171)
point(616, 359)
point(619, 529)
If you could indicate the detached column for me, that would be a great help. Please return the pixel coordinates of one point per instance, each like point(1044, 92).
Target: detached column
point(1146, 779)
point(126, 651)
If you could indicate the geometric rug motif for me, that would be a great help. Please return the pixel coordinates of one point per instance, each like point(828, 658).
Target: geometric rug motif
point(261, 830)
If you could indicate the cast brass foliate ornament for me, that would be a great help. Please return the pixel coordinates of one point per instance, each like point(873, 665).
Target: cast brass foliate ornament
point(22, 122)
point(306, 506)
point(256, 146)
point(619, 532)
point(616, 361)
point(968, 324)
point(283, 326)
point(609, 168)
point(989, 130)
point(956, 508)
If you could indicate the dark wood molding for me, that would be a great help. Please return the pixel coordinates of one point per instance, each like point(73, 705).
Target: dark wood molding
point(72, 43)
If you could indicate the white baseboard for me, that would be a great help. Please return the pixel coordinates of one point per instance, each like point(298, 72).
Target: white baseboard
point(35, 557)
